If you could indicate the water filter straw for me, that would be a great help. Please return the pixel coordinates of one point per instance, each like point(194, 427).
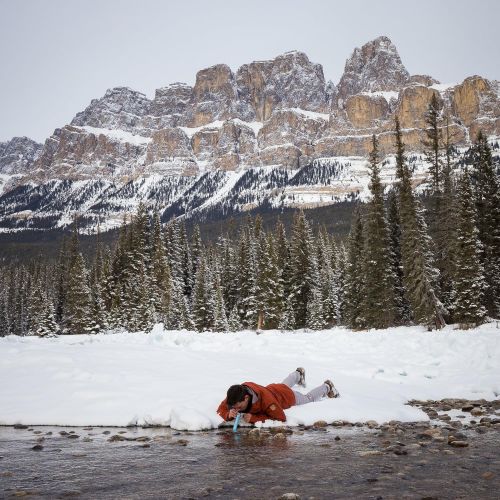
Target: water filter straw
point(236, 422)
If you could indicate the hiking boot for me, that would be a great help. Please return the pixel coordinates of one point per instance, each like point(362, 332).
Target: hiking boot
point(332, 393)
point(302, 379)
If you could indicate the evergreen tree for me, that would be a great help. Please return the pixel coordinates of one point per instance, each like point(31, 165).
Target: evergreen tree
point(469, 280)
point(270, 292)
point(433, 147)
point(161, 280)
point(247, 279)
point(287, 320)
point(487, 195)
point(77, 317)
point(403, 309)
point(315, 318)
point(200, 308)
point(220, 321)
point(420, 275)
point(379, 307)
point(234, 323)
point(328, 284)
point(354, 297)
point(303, 267)
point(41, 313)
point(445, 246)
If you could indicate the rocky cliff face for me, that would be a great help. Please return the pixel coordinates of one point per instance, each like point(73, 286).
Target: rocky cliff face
point(374, 67)
point(18, 154)
point(278, 114)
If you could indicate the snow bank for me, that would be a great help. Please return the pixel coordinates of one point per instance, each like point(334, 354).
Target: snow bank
point(179, 378)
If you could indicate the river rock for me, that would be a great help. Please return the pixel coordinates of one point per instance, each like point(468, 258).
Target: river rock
point(320, 423)
point(458, 444)
point(115, 438)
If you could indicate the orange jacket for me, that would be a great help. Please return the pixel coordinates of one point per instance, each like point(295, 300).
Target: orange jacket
point(273, 399)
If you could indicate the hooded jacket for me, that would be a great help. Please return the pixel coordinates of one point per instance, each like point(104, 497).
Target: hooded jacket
point(272, 400)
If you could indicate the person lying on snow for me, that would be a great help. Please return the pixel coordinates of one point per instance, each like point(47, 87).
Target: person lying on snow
point(257, 403)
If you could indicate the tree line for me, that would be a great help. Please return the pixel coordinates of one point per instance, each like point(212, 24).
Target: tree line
point(400, 264)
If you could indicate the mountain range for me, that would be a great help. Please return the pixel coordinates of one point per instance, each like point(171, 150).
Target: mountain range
point(273, 133)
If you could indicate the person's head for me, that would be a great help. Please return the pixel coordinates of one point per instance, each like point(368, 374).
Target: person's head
point(237, 397)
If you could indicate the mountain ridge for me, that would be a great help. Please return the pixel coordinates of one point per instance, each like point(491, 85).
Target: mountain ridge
point(277, 114)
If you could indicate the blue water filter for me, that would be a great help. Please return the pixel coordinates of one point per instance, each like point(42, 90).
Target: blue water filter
point(236, 422)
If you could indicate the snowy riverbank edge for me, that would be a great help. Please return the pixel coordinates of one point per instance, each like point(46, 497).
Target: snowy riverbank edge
point(177, 378)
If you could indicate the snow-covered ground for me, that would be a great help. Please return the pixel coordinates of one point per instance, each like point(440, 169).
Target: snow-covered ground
point(179, 378)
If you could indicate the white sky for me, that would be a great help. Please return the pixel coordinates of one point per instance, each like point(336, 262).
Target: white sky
point(57, 55)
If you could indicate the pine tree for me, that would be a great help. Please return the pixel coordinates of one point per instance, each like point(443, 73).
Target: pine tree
point(287, 320)
point(354, 277)
point(469, 280)
point(220, 321)
point(41, 312)
point(200, 309)
point(446, 250)
point(487, 195)
point(161, 280)
point(433, 147)
point(77, 317)
point(328, 284)
point(96, 285)
point(340, 276)
point(270, 292)
point(379, 307)
point(303, 267)
point(315, 317)
point(247, 279)
point(234, 323)
point(420, 275)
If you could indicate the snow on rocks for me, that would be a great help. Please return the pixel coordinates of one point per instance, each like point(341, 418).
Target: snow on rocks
point(177, 378)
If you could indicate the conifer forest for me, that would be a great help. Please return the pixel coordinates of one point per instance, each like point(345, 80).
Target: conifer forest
point(400, 264)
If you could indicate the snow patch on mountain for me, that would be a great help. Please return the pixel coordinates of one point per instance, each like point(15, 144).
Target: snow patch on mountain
point(118, 135)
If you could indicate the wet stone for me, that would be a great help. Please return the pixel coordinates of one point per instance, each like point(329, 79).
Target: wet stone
point(181, 442)
point(20, 426)
point(115, 438)
point(459, 444)
point(319, 424)
point(37, 447)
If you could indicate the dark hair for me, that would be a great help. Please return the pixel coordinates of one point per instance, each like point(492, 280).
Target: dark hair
point(235, 394)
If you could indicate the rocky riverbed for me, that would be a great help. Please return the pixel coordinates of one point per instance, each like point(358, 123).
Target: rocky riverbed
point(454, 455)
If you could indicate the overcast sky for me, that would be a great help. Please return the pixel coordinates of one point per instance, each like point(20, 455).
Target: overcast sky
point(57, 55)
